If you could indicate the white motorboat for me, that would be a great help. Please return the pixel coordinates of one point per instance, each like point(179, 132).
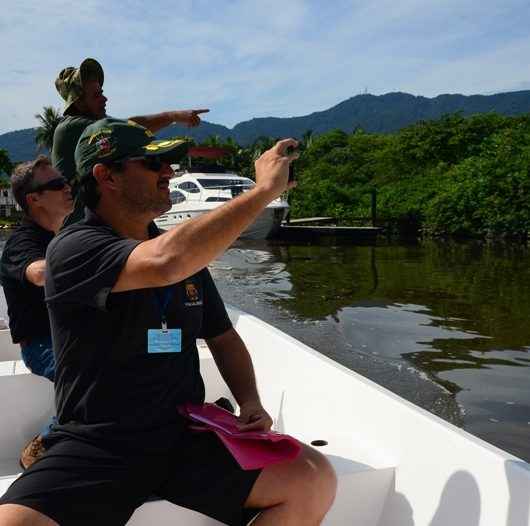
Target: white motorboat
point(397, 464)
point(193, 193)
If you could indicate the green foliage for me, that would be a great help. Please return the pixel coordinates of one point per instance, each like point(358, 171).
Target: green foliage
point(5, 163)
point(488, 193)
point(6, 167)
point(49, 119)
point(456, 175)
point(459, 176)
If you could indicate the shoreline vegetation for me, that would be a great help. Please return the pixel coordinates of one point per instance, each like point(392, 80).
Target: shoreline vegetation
point(456, 176)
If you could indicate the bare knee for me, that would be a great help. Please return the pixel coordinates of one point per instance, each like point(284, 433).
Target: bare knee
point(16, 515)
point(320, 479)
point(305, 487)
point(314, 483)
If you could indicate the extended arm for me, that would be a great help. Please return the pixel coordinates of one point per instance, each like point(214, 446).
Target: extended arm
point(158, 121)
point(234, 363)
point(190, 246)
point(36, 272)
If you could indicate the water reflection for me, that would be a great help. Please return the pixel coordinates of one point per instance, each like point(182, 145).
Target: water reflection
point(457, 313)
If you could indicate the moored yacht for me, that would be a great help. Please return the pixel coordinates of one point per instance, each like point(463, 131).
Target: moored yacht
point(197, 191)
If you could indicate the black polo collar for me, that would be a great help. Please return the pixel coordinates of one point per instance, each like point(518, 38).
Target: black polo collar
point(91, 218)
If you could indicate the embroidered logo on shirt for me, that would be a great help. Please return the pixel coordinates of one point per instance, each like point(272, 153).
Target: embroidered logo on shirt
point(192, 294)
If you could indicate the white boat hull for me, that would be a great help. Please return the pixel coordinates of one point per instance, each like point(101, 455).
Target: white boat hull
point(195, 193)
point(264, 227)
point(397, 464)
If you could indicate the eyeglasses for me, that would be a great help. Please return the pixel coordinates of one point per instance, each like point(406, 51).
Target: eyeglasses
point(152, 162)
point(53, 185)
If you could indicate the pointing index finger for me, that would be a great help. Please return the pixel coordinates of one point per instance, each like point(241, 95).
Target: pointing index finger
point(200, 111)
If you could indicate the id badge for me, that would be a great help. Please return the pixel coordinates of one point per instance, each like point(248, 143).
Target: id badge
point(164, 340)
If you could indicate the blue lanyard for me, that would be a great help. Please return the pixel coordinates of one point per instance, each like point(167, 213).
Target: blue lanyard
point(163, 297)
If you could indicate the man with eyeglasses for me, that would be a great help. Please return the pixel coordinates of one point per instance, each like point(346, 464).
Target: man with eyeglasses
point(44, 196)
point(127, 304)
point(84, 102)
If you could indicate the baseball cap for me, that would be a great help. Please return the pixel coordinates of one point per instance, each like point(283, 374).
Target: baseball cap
point(111, 139)
point(69, 82)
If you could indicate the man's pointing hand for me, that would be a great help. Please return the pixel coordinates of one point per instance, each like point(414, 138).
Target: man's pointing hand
point(189, 117)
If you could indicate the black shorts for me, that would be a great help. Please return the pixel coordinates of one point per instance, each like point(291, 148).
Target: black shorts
point(80, 483)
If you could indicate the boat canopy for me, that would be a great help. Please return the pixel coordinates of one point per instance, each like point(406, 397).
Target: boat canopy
point(208, 152)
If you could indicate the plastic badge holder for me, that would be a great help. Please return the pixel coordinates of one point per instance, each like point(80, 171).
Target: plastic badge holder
point(251, 449)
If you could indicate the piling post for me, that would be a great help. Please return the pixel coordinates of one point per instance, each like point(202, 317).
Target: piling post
point(373, 193)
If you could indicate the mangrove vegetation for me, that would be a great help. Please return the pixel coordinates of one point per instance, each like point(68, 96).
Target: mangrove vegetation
point(459, 176)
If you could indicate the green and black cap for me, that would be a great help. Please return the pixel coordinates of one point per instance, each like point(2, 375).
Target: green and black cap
point(69, 83)
point(109, 140)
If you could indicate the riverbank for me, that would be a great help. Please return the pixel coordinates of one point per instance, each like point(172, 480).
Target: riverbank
point(455, 176)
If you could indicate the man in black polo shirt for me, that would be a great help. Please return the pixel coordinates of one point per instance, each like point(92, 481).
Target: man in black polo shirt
point(82, 91)
point(127, 304)
point(45, 198)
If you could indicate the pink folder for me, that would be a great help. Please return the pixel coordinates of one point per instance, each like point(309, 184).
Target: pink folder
point(251, 449)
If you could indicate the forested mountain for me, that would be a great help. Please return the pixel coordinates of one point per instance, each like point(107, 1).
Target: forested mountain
point(20, 144)
point(381, 114)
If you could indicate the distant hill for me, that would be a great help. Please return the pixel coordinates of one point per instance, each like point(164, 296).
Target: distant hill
point(373, 113)
point(20, 144)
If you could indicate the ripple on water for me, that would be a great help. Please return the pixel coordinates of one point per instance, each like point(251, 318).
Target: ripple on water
point(437, 323)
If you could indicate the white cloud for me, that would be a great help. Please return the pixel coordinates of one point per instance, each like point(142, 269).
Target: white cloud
point(247, 58)
point(488, 72)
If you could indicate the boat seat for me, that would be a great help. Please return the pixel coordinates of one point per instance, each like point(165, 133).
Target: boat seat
point(8, 349)
point(11, 367)
point(22, 420)
point(364, 485)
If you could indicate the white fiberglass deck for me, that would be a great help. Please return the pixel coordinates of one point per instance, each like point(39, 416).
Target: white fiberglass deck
point(397, 464)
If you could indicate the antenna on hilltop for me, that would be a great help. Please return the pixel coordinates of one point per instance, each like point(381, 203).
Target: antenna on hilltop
point(365, 92)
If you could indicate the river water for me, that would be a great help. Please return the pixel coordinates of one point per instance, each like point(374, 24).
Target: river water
point(442, 324)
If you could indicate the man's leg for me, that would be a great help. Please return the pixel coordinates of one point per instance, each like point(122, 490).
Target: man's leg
point(15, 515)
point(82, 484)
point(39, 359)
point(299, 492)
point(206, 478)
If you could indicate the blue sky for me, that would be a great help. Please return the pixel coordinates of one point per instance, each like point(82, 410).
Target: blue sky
point(245, 59)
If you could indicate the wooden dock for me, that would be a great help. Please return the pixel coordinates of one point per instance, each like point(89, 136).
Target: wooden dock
point(311, 221)
point(342, 234)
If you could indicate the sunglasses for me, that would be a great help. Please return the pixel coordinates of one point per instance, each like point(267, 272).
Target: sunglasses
point(153, 162)
point(53, 185)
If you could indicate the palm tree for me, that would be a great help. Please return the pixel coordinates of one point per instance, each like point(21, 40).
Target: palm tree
point(6, 166)
point(49, 120)
point(307, 139)
point(261, 144)
point(213, 140)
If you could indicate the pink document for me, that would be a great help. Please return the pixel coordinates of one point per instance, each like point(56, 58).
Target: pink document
point(251, 449)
